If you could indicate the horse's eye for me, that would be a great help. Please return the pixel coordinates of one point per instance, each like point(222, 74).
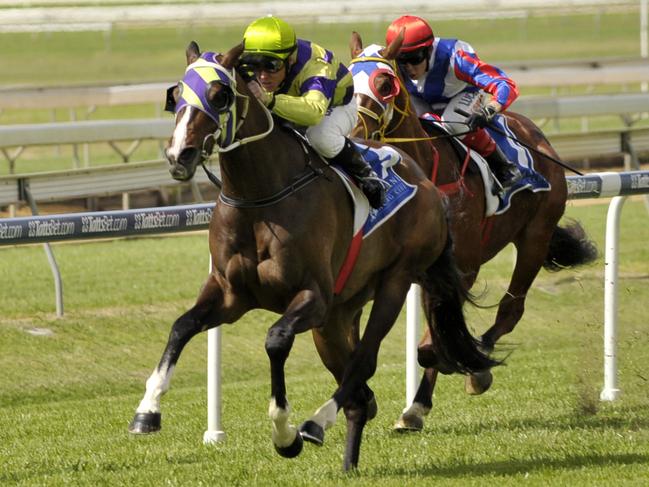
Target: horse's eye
point(219, 96)
point(383, 85)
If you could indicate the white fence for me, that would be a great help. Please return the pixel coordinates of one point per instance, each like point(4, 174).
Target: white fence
point(14, 139)
point(555, 73)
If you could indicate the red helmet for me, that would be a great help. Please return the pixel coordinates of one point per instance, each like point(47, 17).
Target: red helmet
point(418, 33)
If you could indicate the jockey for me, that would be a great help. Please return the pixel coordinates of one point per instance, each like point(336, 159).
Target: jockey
point(305, 84)
point(445, 75)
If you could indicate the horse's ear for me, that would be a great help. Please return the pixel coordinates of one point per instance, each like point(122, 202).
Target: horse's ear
point(391, 51)
point(193, 52)
point(231, 57)
point(355, 44)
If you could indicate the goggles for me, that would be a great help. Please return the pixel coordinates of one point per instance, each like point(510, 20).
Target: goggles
point(256, 64)
point(414, 57)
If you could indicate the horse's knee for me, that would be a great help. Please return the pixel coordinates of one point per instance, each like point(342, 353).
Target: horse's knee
point(279, 341)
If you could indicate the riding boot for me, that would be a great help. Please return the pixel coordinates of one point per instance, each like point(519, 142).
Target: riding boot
point(370, 183)
point(507, 173)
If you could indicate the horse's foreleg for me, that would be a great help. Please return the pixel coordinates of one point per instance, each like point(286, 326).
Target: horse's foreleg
point(305, 311)
point(147, 417)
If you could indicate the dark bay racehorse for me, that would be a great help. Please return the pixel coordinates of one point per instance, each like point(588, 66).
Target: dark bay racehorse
point(278, 237)
point(531, 223)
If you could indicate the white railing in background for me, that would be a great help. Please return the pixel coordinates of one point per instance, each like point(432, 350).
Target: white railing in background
point(15, 138)
point(555, 73)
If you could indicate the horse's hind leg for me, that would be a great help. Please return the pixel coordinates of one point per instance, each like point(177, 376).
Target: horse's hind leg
point(305, 312)
point(388, 300)
point(335, 343)
point(147, 417)
point(532, 249)
point(412, 418)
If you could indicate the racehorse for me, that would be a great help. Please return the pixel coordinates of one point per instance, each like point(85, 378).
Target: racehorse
point(279, 235)
point(531, 222)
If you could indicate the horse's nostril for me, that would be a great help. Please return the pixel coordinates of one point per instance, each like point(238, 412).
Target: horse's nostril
point(187, 155)
point(170, 157)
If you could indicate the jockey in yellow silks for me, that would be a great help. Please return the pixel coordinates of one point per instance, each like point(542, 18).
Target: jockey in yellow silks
point(305, 84)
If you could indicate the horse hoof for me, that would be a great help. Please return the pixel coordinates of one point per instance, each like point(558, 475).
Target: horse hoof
point(145, 423)
point(312, 432)
point(408, 424)
point(292, 450)
point(478, 383)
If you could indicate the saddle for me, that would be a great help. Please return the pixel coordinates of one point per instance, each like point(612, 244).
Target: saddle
point(531, 180)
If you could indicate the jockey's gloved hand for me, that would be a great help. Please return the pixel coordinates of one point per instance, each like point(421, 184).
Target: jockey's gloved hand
point(483, 115)
point(261, 94)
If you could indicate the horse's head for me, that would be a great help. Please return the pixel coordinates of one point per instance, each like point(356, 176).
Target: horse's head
point(376, 84)
point(205, 104)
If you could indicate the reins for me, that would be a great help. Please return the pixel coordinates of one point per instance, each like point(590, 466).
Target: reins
point(223, 140)
point(383, 120)
point(310, 174)
point(229, 114)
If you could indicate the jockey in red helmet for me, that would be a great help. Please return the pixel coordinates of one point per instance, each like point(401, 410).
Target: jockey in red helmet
point(445, 75)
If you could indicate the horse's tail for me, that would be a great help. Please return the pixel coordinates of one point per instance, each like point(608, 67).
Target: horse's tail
point(569, 247)
point(453, 347)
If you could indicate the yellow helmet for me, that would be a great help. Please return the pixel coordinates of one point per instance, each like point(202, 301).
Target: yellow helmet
point(269, 36)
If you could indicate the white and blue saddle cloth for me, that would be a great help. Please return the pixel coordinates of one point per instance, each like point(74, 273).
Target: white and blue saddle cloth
point(520, 155)
point(398, 192)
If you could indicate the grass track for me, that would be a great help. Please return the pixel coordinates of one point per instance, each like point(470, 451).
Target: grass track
point(66, 399)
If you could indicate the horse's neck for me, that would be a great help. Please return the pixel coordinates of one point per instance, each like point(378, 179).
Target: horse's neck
point(260, 168)
point(409, 128)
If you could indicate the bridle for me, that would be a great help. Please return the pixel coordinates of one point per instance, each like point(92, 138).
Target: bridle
point(227, 127)
point(387, 103)
point(225, 116)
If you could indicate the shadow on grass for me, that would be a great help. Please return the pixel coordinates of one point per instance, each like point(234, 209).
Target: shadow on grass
point(629, 417)
point(518, 467)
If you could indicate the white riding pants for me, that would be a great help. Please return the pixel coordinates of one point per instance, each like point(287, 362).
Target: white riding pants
point(328, 137)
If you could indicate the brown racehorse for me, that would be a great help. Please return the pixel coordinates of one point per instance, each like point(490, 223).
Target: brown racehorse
point(531, 223)
point(278, 237)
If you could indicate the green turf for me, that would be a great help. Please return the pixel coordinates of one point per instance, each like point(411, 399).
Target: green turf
point(66, 398)
point(156, 54)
